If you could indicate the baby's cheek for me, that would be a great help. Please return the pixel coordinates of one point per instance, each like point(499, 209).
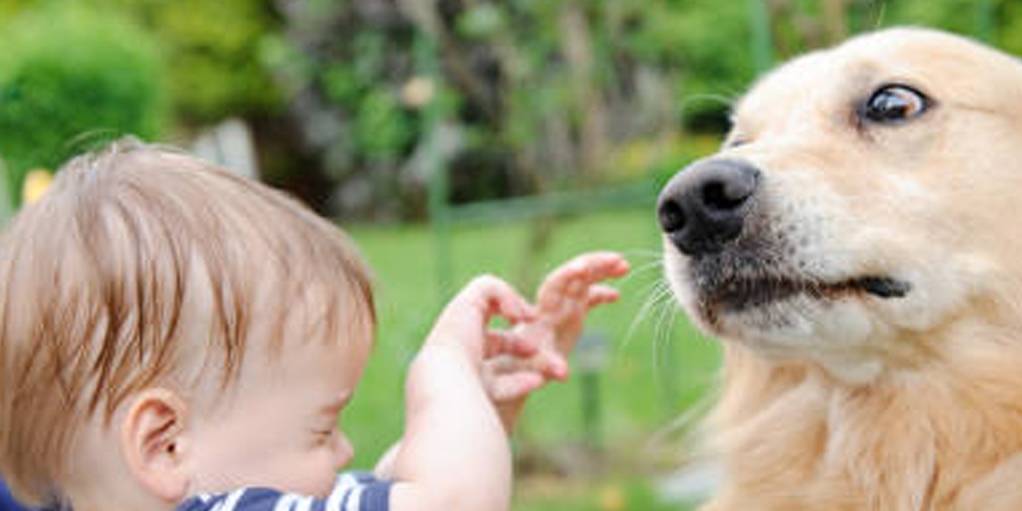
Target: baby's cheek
point(320, 482)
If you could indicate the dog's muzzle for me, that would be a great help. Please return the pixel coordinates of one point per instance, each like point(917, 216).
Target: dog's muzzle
point(713, 212)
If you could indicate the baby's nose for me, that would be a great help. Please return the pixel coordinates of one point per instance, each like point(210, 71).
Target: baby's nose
point(344, 451)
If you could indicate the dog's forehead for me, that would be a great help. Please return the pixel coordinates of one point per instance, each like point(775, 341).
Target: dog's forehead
point(943, 64)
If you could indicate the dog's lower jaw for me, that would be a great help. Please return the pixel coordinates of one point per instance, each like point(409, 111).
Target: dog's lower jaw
point(842, 342)
point(841, 337)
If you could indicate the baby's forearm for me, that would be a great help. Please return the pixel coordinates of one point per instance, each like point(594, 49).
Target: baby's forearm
point(454, 454)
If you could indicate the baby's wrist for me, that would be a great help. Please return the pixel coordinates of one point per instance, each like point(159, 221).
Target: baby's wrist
point(447, 350)
point(455, 343)
point(439, 371)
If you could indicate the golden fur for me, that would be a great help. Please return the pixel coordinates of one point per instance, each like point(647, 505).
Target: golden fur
point(857, 402)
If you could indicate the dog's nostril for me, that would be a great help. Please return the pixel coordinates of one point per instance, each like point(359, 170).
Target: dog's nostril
point(725, 195)
point(671, 216)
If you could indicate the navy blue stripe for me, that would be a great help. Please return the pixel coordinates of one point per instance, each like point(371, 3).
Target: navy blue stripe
point(375, 496)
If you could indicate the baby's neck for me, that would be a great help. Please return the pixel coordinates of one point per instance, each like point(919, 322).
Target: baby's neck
point(113, 499)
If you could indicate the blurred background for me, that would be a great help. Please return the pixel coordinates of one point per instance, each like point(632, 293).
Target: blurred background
point(453, 137)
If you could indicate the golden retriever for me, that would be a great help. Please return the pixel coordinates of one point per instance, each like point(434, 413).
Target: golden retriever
point(854, 245)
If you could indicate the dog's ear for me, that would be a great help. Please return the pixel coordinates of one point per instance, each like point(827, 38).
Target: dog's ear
point(152, 443)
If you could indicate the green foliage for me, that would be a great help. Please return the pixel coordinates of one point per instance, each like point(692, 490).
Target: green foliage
point(212, 53)
point(342, 85)
point(481, 21)
point(210, 49)
point(1010, 35)
point(959, 16)
point(707, 40)
point(381, 129)
point(70, 79)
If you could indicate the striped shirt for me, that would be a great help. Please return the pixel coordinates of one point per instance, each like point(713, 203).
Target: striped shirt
point(353, 491)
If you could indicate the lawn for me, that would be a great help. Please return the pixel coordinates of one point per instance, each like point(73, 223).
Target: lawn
point(656, 367)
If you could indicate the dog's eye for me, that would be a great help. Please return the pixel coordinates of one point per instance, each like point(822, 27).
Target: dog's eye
point(894, 103)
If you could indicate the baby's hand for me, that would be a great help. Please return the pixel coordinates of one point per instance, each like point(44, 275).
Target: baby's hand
point(464, 322)
point(563, 301)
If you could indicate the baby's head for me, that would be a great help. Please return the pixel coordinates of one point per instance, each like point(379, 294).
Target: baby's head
point(167, 328)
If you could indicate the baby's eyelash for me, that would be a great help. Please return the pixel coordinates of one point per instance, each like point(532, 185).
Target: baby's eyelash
point(322, 436)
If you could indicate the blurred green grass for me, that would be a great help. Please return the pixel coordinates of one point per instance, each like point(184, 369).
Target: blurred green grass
point(658, 365)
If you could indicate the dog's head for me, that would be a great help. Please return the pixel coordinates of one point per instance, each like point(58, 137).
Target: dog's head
point(863, 200)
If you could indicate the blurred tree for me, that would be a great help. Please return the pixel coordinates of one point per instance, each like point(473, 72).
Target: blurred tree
point(536, 94)
point(539, 93)
point(70, 79)
point(212, 52)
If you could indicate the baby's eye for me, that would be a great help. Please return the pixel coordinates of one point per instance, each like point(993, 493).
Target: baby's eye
point(324, 435)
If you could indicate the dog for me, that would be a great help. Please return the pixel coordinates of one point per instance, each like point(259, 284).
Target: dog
point(853, 245)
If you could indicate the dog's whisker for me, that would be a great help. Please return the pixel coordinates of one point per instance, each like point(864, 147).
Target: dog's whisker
point(681, 425)
point(655, 292)
point(652, 262)
point(661, 334)
point(656, 295)
point(670, 326)
point(649, 261)
point(642, 271)
point(642, 253)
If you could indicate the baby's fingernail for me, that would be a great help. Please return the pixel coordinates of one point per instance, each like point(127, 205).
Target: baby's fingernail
point(563, 374)
point(559, 370)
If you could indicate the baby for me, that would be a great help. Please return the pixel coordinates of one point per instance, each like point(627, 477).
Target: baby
point(175, 337)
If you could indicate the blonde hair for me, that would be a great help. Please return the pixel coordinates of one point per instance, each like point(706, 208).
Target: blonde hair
point(95, 276)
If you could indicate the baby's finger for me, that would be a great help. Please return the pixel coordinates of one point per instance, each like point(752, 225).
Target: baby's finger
point(496, 297)
point(551, 364)
point(509, 342)
point(600, 294)
point(512, 386)
point(574, 277)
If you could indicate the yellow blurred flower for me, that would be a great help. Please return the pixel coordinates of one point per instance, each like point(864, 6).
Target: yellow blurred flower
point(418, 92)
point(612, 499)
point(36, 183)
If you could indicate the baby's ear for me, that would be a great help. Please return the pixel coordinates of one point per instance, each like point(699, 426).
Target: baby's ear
point(151, 442)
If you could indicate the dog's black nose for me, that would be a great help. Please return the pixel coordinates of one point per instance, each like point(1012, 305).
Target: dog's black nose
point(704, 206)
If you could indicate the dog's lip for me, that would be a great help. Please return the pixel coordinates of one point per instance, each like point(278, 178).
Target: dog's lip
point(744, 293)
